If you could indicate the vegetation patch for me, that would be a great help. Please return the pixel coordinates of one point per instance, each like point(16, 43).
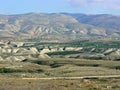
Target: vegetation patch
point(64, 53)
point(55, 65)
point(8, 70)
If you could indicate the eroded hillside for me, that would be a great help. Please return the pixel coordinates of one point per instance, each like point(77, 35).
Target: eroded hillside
point(57, 27)
point(20, 51)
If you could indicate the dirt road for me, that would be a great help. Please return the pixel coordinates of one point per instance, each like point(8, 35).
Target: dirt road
point(73, 78)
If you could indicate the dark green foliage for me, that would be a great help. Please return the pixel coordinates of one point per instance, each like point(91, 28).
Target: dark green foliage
point(39, 71)
point(83, 43)
point(87, 64)
point(8, 70)
point(97, 44)
point(42, 62)
point(55, 65)
point(102, 44)
point(1, 45)
point(116, 67)
point(64, 53)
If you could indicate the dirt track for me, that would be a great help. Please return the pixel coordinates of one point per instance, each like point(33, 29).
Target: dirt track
point(73, 78)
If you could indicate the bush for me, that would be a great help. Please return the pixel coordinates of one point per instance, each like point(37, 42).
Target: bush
point(39, 70)
point(43, 62)
point(7, 70)
point(117, 67)
point(55, 65)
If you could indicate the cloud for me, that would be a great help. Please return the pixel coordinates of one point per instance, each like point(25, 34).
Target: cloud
point(81, 3)
point(108, 4)
point(115, 4)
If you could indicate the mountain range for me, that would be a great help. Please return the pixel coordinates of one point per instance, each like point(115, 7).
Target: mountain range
point(58, 26)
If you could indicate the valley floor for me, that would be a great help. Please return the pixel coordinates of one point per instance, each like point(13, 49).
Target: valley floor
point(79, 84)
point(60, 74)
point(36, 66)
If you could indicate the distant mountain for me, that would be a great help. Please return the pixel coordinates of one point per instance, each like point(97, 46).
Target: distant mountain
point(55, 27)
point(110, 22)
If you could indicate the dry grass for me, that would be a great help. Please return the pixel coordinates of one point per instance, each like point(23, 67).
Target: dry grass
point(83, 84)
point(61, 67)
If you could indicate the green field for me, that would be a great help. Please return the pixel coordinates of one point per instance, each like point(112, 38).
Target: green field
point(83, 43)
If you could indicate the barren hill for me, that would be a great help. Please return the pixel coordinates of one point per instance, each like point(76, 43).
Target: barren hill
point(58, 26)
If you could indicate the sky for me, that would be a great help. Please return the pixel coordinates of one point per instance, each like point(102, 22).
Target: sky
point(57, 6)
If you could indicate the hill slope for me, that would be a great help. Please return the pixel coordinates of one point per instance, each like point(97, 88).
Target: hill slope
point(56, 27)
point(110, 22)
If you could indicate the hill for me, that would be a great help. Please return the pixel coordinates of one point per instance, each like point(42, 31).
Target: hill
point(58, 26)
point(110, 22)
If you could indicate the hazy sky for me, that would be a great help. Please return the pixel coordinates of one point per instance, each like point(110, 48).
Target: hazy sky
point(52, 6)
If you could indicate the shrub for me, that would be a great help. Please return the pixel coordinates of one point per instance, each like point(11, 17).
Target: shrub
point(8, 70)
